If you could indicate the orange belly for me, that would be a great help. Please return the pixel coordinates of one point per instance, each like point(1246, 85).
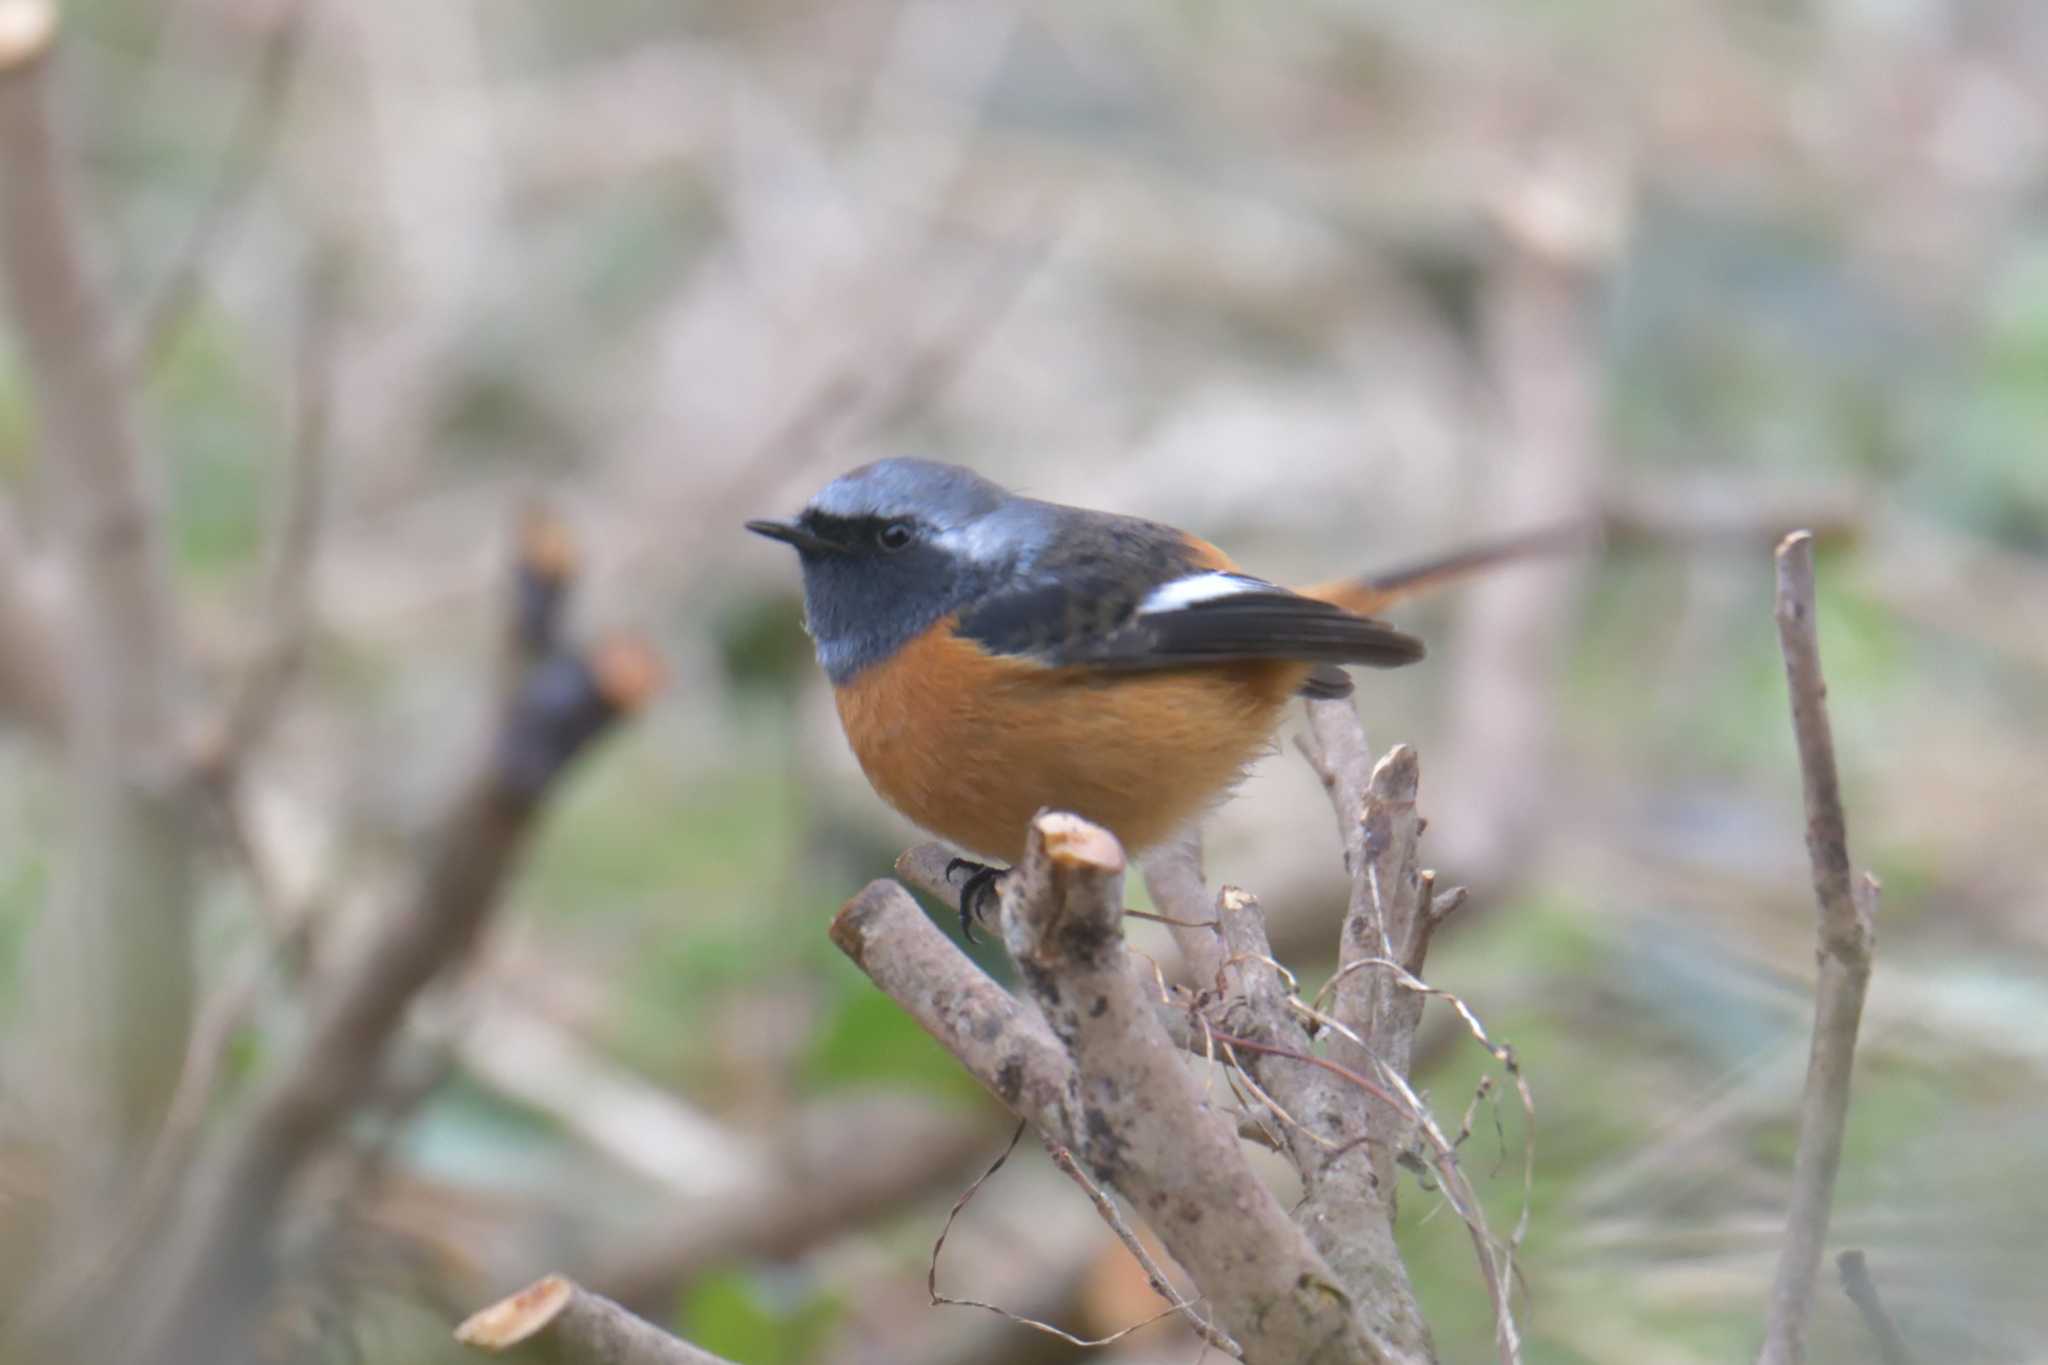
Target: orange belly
point(973, 757)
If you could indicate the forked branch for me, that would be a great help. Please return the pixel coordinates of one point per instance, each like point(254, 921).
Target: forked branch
point(1094, 1069)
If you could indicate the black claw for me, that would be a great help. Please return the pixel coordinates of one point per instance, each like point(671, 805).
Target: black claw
point(979, 894)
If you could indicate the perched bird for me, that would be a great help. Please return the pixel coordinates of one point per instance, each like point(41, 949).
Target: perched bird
point(992, 655)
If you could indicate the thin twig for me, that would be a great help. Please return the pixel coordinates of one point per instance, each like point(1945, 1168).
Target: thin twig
point(1109, 1214)
point(221, 1016)
point(248, 151)
point(1372, 1088)
point(1173, 874)
point(1155, 1276)
point(288, 597)
point(1862, 1291)
point(1847, 939)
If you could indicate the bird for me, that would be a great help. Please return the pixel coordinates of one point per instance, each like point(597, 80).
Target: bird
point(993, 655)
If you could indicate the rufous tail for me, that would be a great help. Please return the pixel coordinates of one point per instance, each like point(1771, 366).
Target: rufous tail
point(1373, 593)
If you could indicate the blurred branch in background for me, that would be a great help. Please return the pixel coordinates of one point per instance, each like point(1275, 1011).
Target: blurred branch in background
point(833, 1167)
point(110, 995)
point(1862, 1291)
point(288, 615)
point(240, 169)
point(1559, 224)
point(31, 685)
point(218, 1268)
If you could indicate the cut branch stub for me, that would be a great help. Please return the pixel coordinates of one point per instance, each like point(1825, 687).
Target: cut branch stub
point(516, 1317)
point(27, 30)
point(568, 1323)
point(1144, 1122)
point(543, 570)
point(1063, 904)
point(563, 702)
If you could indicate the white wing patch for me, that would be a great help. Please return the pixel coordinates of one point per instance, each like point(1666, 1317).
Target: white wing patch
point(1201, 587)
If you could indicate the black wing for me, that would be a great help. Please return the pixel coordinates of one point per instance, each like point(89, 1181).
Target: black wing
point(1084, 588)
point(1261, 624)
point(1085, 602)
point(1094, 612)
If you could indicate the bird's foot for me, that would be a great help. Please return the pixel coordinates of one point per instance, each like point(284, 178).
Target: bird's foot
point(979, 894)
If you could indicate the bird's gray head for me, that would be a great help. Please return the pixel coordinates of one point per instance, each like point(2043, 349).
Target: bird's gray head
point(892, 547)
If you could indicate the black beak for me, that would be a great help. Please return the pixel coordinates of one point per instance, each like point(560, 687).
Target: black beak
point(789, 533)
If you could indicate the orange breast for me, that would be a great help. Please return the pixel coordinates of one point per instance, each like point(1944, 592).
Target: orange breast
point(972, 745)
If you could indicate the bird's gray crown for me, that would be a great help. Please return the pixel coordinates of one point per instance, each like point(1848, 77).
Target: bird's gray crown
point(944, 496)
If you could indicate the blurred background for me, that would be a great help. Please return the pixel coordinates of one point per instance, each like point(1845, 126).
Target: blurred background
point(1338, 285)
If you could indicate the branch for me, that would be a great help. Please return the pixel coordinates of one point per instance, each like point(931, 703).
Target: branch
point(84, 420)
point(31, 684)
point(1379, 994)
point(1173, 874)
point(249, 149)
point(836, 1166)
point(547, 564)
point(924, 867)
point(1098, 1075)
point(1387, 918)
point(636, 1124)
point(1005, 1046)
point(568, 1323)
point(217, 1266)
point(1140, 1254)
point(1561, 216)
point(1336, 748)
point(1862, 1291)
point(1348, 1184)
point(1144, 1125)
point(1847, 939)
point(288, 593)
point(111, 985)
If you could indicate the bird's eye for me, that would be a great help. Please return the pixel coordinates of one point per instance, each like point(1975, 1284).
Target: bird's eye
point(894, 536)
